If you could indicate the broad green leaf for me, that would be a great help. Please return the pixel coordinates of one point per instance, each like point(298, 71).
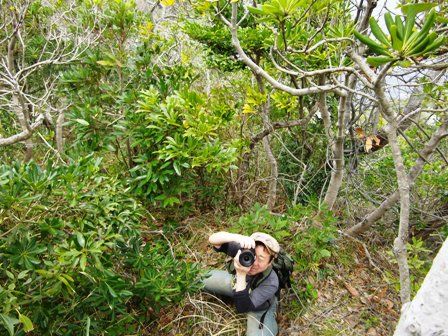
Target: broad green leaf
point(80, 239)
point(379, 60)
point(82, 122)
point(22, 274)
point(416, 8)
point(9, 274)
point(256, 10)
point(8, 322)
point(83, 262)
point(177, 168)
point(27, 324)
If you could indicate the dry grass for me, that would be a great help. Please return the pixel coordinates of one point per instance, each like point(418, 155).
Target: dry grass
point(354, 298)
point(206, 315)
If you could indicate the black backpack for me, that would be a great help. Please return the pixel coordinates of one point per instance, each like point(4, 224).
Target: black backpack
point(283, 265)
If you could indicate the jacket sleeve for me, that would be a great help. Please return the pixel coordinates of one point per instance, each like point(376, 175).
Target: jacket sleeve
point(223, 248)
point(256, 300)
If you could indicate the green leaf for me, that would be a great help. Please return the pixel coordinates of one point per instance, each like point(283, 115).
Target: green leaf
point(416, 8)
point(80, 239)
point(22, 274)
point(82, 122)
point(176, 168)
point(325, 253)
point(83, 262)
point(88, 326)
point(27, 324)
point(256, 10)
point(378, 32)
point(170, 201)
point(65, 282)
point(106, 63)
point(379, 60)
point(126, 293)
point(9, 274)
point(111, 291)
point(8, 322)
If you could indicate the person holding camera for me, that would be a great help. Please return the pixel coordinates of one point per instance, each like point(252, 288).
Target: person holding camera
point(250, 281)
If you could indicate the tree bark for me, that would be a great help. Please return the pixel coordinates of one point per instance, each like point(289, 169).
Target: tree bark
point(27, 131)
point(424, 155)
point(273, 166)
point(337, 172)
point(22, 135)
point(400, 242)
point(59, 132)
point(427, 313)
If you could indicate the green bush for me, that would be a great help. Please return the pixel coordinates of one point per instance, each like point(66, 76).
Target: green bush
point(77, 254)
point(176, 139)
point(304, 231)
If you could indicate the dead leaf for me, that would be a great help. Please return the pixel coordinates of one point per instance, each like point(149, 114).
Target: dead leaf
point(360, 133)
point(377, 140)
point(371, 332)
point(368, 146)
point(382, 293)
point(352, 290)
point(374, 298)
point(388, 304)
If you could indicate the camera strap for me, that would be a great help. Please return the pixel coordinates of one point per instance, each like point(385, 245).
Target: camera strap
point(261, 325)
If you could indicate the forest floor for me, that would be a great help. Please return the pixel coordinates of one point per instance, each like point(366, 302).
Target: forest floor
point(355, 295)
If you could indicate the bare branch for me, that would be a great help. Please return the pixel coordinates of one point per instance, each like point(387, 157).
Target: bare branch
point(259, 71)
point(24, 135)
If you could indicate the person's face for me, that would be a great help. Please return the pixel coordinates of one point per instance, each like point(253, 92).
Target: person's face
point(262, 261)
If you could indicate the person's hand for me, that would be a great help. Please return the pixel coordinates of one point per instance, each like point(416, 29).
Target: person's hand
point(246, 242)
point(240, 269)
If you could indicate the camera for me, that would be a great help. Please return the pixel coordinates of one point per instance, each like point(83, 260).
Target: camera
point(247, 256)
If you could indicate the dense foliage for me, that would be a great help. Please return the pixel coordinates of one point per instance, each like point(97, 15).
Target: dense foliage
point(79, 252)
point(129, 132)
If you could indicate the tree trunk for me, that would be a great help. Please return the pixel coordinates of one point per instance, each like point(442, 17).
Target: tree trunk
point(337, 172)
point(427, 313)
point(19, 109)
point(273, 166)
point(59, 131)
point(400, 242)
point(403, 186)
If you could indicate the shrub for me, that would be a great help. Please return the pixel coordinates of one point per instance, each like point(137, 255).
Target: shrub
point(78, 254)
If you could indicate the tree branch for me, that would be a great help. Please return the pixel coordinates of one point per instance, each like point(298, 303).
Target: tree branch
point(24, 135)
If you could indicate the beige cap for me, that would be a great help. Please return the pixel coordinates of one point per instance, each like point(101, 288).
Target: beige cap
point(269, 241)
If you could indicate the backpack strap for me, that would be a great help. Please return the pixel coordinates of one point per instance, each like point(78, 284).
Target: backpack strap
point(258, 279)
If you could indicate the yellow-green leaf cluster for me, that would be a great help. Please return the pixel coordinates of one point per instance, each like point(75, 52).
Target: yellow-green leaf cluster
point(404, 39)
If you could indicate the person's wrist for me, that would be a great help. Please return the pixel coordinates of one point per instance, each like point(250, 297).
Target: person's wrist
point(240, 283)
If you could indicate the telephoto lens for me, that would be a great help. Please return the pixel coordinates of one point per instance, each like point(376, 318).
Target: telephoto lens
point(247, 256)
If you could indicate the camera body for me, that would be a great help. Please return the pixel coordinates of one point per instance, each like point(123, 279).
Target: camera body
point(247, 256)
